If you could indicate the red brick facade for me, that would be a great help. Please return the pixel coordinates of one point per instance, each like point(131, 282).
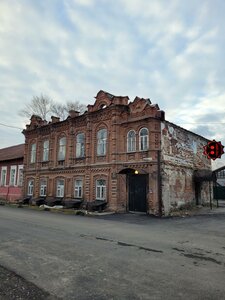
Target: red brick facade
point(11, 173)
point(106, 164)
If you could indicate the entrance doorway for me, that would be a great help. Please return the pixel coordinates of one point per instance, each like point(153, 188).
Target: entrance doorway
point(137, 186)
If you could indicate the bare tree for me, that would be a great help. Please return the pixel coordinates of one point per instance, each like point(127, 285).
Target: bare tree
point(40, 105)
point(59, 110)
point(44, 107)
point(62, 110)
point(76, 105)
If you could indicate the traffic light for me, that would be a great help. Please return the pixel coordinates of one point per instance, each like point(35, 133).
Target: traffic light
point(213, 150)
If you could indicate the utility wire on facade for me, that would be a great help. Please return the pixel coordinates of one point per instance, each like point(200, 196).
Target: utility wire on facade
point(10, 126)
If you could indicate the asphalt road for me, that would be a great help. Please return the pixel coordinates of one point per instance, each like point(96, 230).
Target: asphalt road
point(115, 257)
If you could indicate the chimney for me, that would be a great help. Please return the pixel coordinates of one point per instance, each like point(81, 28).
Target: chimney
point(73, 113)
point(55, 119)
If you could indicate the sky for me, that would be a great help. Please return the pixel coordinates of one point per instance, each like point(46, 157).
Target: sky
point(169, 51)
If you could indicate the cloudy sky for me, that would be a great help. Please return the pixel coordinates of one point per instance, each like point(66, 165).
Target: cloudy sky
point(171, 51)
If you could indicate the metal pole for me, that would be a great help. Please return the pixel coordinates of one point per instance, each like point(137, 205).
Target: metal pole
point(159, 183)
point(210, 196)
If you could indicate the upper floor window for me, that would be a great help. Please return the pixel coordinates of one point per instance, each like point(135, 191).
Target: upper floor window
point(131, 141)
point(78, 188)
point(20, 175)
point(30, 189)
point(101, 142)
point(60, 188)
point(45, 151)
point(3, 175)
point(43, 187)
point(62, 149)
point(12, 180)
point(33, 153)
point(80, 145)
point(100, 189)
point(143, 139)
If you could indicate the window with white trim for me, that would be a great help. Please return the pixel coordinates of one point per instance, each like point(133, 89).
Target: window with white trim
point(78, 188)
point(43, 187)
point(62, 149)
point(80, 145)
point(20, 175)
point(12, 177)
point(60, 188)
point(45, 150)
point(131, 141)
point(33, 153)
point(100, 189)
point(143, 139)
point(30, 188)
point(101, 141)
point(3, 176)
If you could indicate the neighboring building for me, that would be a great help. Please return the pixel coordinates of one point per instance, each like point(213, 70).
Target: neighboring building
point(11, 172)
point(219, 183)
point(124, 153)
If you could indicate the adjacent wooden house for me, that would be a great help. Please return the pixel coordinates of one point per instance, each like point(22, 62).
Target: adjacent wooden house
point(11, 173)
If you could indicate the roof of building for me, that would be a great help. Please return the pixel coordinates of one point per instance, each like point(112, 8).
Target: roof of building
point(219, 169)
point(168, 122)
point(12, 152)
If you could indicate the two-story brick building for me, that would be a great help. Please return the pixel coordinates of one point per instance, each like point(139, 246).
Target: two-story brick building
point(119, 151)
point(11, 172)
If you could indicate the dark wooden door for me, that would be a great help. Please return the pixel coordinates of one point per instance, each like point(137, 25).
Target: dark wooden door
point(137, 192)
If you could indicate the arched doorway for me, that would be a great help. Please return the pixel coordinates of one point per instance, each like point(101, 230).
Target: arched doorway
point(137, 189)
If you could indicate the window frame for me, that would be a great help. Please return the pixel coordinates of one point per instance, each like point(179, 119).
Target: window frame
point(102, 142)
point(30, 187)
point(143, 139)
point(45, 151)
point(62, 149)
point(60, 188)
point(78, 188)
point(33, 153)
point(4, 168)
point(43, 187)
point(19, 180)
point(80, 150)
point(100, 190)
point(12, 168)
point(131, 141)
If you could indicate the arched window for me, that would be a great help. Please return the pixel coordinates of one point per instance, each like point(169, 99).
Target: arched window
point(143, 139)
point(30, 188)
point(33, 153)
point(43, 187)
point(101, 141)
point(100, 189)
point(45, 150)
point(80, 146)
point(60, 188)
point(131, 141)
point(62, 149)
point(78, 188)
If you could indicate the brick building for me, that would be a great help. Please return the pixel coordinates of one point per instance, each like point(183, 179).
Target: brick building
point(119, 151)
point(11, 172)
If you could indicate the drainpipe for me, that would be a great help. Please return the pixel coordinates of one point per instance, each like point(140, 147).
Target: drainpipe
point(159, 182)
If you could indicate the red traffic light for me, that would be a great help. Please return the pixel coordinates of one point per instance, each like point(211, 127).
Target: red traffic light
point(213, 150)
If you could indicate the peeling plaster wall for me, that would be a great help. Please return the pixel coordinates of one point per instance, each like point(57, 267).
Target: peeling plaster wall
point(182, 153)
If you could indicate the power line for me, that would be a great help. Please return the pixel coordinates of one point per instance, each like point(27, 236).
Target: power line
point(11, 126)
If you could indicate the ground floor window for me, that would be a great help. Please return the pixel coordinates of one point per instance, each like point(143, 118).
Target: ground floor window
point(78, 188)
point(30, 187)
point(100, 189)
point(12, 180)
point(43, 187)
point(60, 188)
point(3, 176)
